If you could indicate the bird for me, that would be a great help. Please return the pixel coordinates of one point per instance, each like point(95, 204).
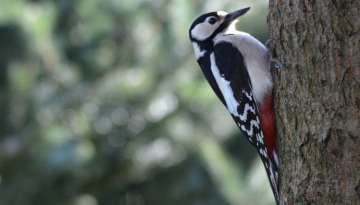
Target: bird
point(237, 67)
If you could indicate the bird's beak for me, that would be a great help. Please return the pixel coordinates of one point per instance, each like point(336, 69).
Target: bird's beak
point(234, 16)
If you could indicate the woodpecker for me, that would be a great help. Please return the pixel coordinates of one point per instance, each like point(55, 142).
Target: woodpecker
point(237, 67)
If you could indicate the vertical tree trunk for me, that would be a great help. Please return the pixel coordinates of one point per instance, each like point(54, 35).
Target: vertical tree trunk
point(318, 99)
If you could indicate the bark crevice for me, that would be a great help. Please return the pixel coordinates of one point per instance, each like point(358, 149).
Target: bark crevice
point(317, 99)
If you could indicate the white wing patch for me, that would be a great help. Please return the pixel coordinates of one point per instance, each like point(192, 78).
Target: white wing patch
point(253, 123)
point(263, 152)
point(256, 61)
point(248, 95)
point(243, 117)
point(231, 103)
point(260, 137)
point(225, 88)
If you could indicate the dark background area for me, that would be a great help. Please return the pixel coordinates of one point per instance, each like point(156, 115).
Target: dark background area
point(102, 102)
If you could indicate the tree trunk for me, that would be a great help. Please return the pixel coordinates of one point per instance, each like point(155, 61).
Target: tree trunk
point(317, 99)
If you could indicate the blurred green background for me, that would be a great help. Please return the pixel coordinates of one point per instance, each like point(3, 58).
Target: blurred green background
point(102, 102)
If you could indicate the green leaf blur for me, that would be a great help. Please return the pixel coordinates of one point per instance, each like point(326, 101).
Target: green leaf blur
point(102, 102)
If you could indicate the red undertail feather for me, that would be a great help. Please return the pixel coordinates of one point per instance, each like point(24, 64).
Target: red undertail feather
point(269, 124)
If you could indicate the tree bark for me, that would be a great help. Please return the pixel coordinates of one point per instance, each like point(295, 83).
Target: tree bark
point(317, 99)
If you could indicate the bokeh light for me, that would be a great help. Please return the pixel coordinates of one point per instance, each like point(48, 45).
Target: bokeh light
point(102, 102)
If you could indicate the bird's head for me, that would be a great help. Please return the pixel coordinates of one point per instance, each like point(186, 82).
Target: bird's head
point(207, 26)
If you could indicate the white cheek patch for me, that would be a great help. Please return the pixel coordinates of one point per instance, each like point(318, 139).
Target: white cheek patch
point(202, 31)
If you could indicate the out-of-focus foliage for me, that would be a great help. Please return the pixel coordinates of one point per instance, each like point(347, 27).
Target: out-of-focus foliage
point(102, 102)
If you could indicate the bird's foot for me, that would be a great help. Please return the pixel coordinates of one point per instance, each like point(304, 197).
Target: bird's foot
point(274, 60)
point(267, 43)
point(277, 63)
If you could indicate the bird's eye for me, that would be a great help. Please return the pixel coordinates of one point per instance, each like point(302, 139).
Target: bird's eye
point(212, 21)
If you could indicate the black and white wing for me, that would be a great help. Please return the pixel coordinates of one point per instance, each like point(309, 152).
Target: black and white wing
point(229, 70)
point(230, 73)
